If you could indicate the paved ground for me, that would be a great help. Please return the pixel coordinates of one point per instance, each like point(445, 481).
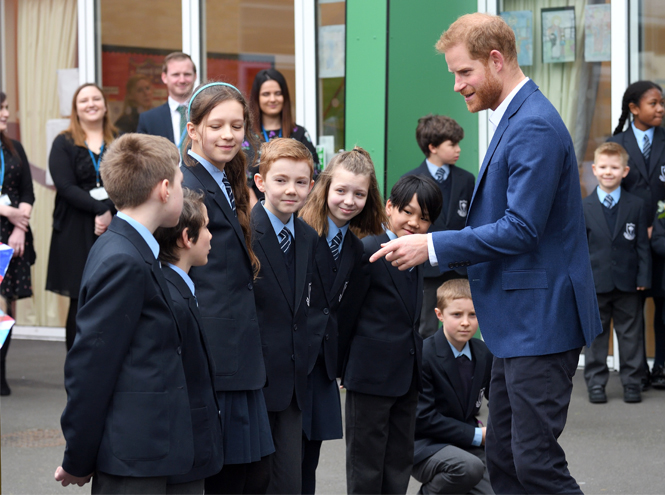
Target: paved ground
point(611, 448)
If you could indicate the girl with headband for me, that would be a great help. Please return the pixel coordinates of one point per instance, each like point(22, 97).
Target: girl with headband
point(219, 120)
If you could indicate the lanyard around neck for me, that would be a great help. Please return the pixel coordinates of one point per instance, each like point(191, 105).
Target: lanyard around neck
point(96, 162)
point(265, 134)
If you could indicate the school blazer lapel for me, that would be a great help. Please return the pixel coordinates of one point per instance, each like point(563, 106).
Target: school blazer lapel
point(265, 236)
point(478, 375)
point(597, 214)
point(301, 258)
point(345, 266)
point(398, 278)
point(450, 367)
point(322, 263)
point(657, 150)
point(218, 197)
point(634, 152)
point(622, 216)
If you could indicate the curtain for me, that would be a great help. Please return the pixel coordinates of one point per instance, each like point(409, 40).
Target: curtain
point(46, 42)
point(571, 86)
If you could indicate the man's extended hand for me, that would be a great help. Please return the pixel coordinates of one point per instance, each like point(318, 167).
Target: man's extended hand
point(405, 252)
point(67, 479)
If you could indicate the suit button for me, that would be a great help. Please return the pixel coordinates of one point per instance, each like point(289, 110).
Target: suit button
point(295, 328)
point(335, 270)
point(179, 350)
point(327, 337)
point(325, 311)
point(412, 352)
point(293, 357)
point(250, 286)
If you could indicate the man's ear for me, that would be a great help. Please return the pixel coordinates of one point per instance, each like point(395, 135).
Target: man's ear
point(496, 60)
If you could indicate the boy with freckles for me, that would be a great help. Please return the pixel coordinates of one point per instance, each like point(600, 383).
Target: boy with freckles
point(284, 244)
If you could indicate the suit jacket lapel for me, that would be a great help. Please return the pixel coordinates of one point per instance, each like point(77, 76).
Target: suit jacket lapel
point(450, 366)
point(452, 208)
point(399, 278)
point(167, 121)
point(301, 258)
point(273, 253)
point(159, 276)
point(218, 197)
point(633, 149)
point(596, 210)
point(322, 265)
point(478, 375)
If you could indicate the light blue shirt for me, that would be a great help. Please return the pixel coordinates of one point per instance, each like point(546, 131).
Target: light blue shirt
point(332, 232)
point(466, 351)
point(639, 135)
point(214, 172)
point(185, 277)
point(278, 225)
point(391, 235)
point(433, 168)
point(616, 195)
point(143, 231)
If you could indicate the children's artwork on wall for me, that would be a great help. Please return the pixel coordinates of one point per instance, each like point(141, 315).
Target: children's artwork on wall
point(558, 26)
point(597, 33)
point(521, 22)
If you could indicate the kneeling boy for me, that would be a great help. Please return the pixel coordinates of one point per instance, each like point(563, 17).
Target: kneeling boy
point(449, 452)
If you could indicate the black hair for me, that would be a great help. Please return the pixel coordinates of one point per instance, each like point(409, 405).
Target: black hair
point(430, 199)
point(633, 95)
point(192, 218)
point(435, 129)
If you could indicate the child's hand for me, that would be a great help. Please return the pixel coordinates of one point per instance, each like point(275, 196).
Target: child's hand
point(649, 230)
point(641, 288)
point(67, 479)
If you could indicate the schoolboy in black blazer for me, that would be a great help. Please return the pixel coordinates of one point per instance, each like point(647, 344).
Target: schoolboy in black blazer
point(128, 418)
point(621, 263)
point(439, 137)
point(285, 247)
point(382, 370)
point(449, 456)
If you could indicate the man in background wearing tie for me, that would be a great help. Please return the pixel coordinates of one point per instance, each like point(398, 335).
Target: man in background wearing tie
point(528, 262)
point(170, 120)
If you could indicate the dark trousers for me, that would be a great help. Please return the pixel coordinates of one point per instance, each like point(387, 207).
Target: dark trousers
point(103, 483)
point(70, 324)
point(311, 451)
point(529, 398)
point(659, 331)
point(454, 470)
point(625, 309)
point(379, 441)
point(285, 465)
point(251, 478)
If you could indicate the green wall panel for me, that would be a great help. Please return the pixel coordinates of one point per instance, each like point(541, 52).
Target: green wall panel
point(419, 82)
point(366, 24)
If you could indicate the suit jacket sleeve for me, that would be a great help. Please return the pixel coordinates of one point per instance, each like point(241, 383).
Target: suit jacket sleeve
point(533, 176)
point(106, 321)
point(643, 250)
point(142, 128)
point(430, 423)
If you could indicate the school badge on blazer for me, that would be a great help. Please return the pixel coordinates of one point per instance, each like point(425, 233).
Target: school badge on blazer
point(662, 173)
point(630, 231)
point(463, 207)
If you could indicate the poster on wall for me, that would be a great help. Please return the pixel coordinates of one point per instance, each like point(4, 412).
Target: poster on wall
point(558, 26)
point(332, 50)
point(597, 33)
point(521, 22)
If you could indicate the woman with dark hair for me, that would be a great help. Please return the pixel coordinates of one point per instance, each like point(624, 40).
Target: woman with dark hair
point(138, 98)
point(83, 210)
point(16, 199)
point(270, 105)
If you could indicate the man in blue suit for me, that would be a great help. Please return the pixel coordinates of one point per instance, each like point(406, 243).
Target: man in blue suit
point(170, 120)
point(526, 252)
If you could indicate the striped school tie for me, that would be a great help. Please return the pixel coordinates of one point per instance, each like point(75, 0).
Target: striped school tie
point(229, 191)
point(440, 175)
point(646, 148)
point(334, 245)
point(608, 201)
point(285, 240)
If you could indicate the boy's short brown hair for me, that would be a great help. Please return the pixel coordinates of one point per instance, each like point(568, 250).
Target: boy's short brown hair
point(458, 288)
point(435, 129)
point(284, 148)
point(611, 149)
point(176, 56)
point(134, 164)
point(192, 218)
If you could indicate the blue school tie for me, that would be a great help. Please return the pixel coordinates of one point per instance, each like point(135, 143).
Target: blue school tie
point(229, 191)
point(334, 245)
point(285, 240)
point(646, 148)
point(440, 175)
point(608, 202)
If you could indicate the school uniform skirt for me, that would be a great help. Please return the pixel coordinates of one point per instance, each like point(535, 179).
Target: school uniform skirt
point(322, 411)
point(246, 429)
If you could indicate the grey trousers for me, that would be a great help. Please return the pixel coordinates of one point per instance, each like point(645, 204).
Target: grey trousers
point(454, 470)
point(103, 483)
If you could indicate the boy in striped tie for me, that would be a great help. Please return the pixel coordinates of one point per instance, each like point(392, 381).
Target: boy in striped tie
point(285, 247)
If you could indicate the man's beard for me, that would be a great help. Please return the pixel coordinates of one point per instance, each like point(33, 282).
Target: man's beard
point(487, 94)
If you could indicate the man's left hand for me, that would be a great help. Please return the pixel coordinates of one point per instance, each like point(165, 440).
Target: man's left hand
point(405, 252)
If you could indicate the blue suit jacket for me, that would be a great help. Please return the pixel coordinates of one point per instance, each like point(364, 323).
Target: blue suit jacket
point(157, 122)
point(525, 241)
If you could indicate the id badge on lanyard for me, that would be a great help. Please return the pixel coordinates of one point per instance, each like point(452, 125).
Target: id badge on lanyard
point(98, 192)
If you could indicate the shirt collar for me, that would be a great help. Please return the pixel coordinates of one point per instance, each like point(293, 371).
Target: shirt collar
point(277, 224)
point(184, 276)
point(639, 135)
point(214, 172)
point(433, 168)
point(466, 351)
point(173, 105)
point(143, 231)
point(391, 235)
point(616, 195)
point(497, 115)
point(332, 232)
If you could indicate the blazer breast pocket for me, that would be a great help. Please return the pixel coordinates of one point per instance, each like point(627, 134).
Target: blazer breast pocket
point(496, 166)
point(524, 279)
